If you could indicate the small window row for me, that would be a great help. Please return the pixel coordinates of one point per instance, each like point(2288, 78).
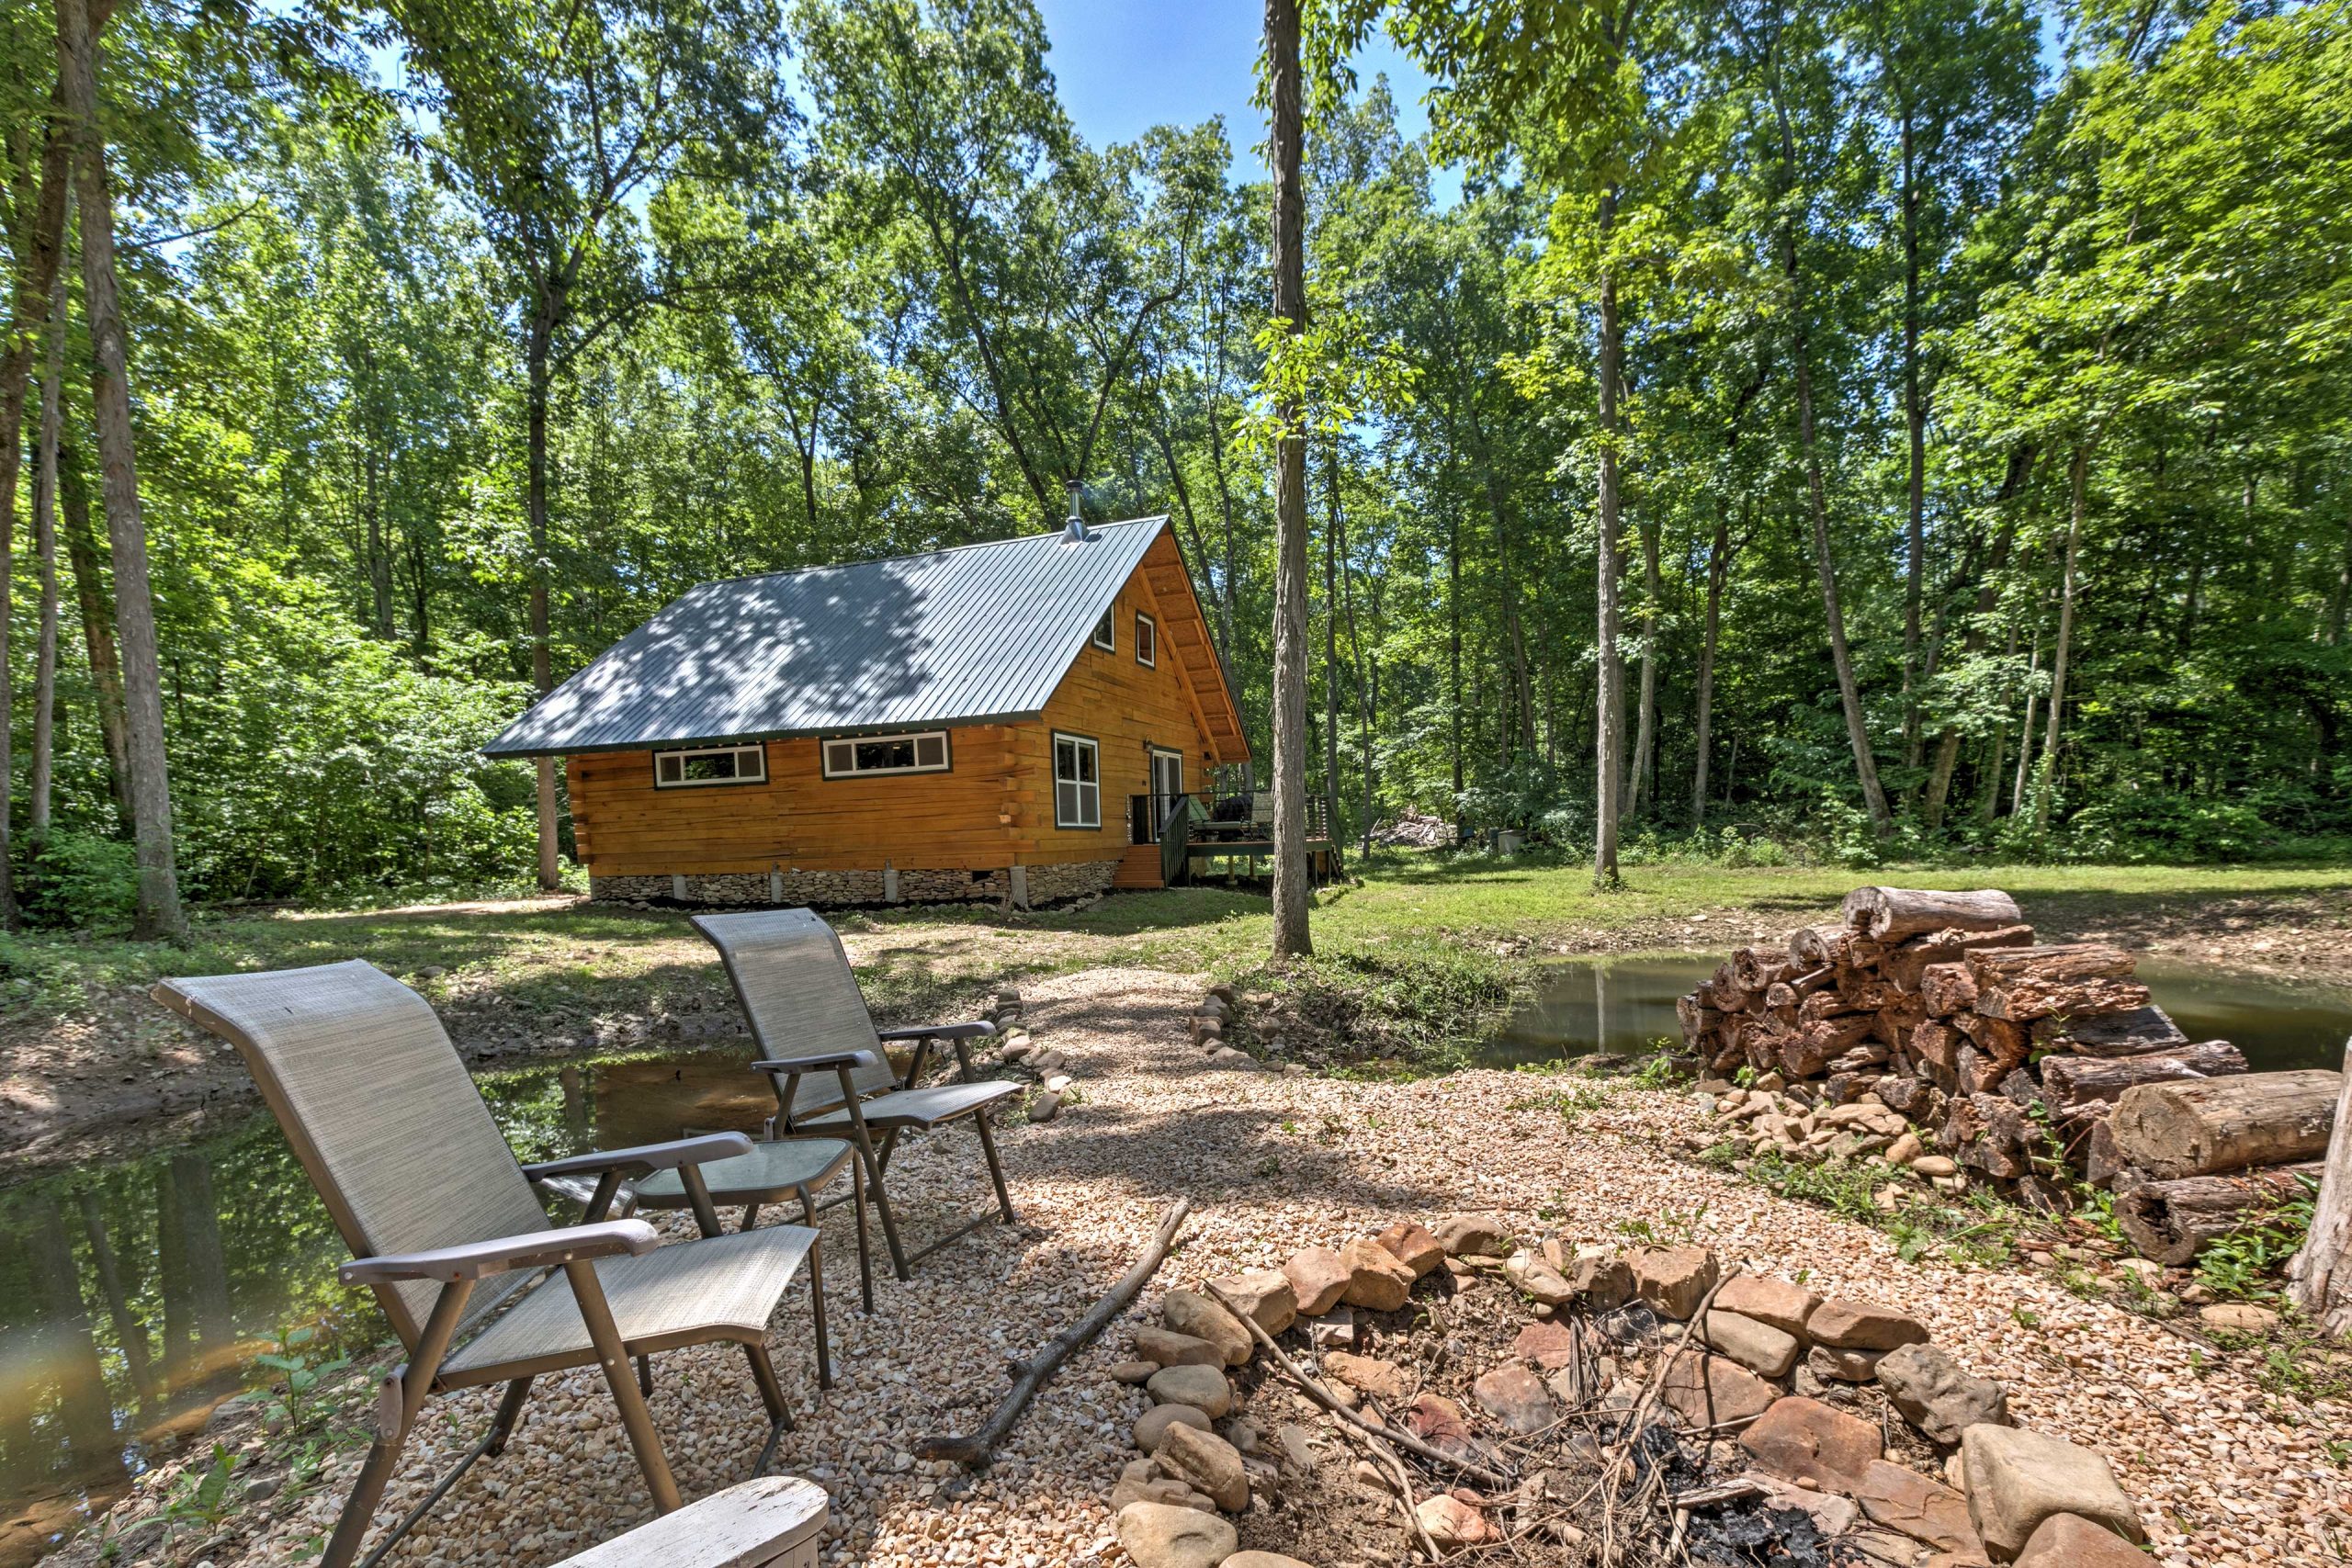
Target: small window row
point(1106, 636)
point(924, 753)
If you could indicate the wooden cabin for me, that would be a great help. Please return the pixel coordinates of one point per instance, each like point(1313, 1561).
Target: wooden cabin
point(1014, 721)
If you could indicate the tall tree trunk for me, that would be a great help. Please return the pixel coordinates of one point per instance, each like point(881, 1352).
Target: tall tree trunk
point(1914, 419)
point(1645, 721)
point(1718, 574)
point(536, 505)
point(2025, 733)
point(45, 549)
point(2046, 777)
point(1453, 654)
point(1609, 724)
point(98, 624)
point(2339, 598)
point(1332, 638)
point(1291, 936)
point(158, 916)
point(128, 1332)
point(379, 553)
point(1988, 599)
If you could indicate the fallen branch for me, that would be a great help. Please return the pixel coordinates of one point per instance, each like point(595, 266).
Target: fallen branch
point(1329, 1402)
point(1030, 1375)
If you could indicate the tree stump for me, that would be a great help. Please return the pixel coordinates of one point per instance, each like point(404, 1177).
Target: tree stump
point(2319, 1280)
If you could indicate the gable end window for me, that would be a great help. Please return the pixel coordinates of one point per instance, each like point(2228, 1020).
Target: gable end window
point(922, 753)
point(1106, 636)
point(1147, 641)
point(1078, 781)
point(710, 765)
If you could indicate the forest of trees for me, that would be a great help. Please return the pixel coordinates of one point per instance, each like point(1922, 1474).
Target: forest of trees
point(1894, 425)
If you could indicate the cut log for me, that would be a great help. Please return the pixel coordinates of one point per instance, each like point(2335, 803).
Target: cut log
point(2132, 1033)
point(1989, 1134)
point(2068, 1082)
point(1031, 1374)
point(1756, 967)
point(2102, 1164)
point(1904, 1095)
point(1891, 914)
point(1938, 1046)
point(1832, 1004)
point(1899, 1018)
point(2319, 1279)
point(1698, 1021)
point(2197, 1128)
point(1907, 962)
point(2025, 983)
point(1947, 988)
point(2172, 1221)
point(1814, 1048)
point(1817, 947)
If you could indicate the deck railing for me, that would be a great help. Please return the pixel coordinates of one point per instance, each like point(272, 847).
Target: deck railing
point(1229, 817)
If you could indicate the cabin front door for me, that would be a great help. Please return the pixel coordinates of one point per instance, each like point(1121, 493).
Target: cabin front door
point(1166, 786)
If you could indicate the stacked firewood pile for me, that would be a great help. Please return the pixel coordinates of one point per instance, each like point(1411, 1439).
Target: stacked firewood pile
point(2035, 1067)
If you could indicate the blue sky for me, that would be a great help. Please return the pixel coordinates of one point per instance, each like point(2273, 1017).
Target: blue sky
point(1127, 65)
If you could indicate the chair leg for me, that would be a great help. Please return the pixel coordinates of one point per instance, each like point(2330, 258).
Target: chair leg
point(817, 1311)
point(510, 1410)
point(645, 1376)
point(750, 1217)
point(864, 1140)
point(996, 1167)
point(588, 1291)
point(771, 1389)
point(865, 1251)
point(399, 1399)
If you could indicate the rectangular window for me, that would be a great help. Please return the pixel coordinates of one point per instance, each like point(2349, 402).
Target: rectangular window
point(1147, 641)
point(710, 765)
point(924, 753)
point(1078, 782)
point(1105, 635)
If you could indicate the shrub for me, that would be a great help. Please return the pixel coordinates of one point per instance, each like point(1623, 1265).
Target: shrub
point(2133, 826)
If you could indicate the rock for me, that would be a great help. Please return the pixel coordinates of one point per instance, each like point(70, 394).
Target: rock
point(1603, 1281)
point(2238, 1317)
point(1266, 1294)
point(1207, 1463)
point(1452, 1524)
point(1134, 1371)
point(1513, 1396)
point(1188, 1312)
point(1843, 1366)
point(1848, 1324)
point(1905, 1149)
point(1261, 1560)
point(1473, 1236)
point(1763, 1349)
point(1157, 1488)
point(2069, 1541)
point(1165, 1347)
point(1318, 1278)
point(1227, 1057)
point(1203, 1388)
point(2018, 1478)
point(1413, 1245)
point(1537, 1280)
point(1673, 1281)
point(1335, 1330)
point(1550, 1346)
point(1440, 1423)
point(1782, 1305)
point(1831, 1515)
point(1382, 1379)
point(1802, 1440)
point(1151, 1426)
point(1376, 1280)
point(1935, 1165)
point(1937, 1395)
point(1158, 1536)
point(1902, 1499)
point(1296, 1444)
point(1044, 1105)
point(1707, 1391)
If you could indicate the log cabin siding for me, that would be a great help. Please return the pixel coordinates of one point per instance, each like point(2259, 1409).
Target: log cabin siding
point(992, 809)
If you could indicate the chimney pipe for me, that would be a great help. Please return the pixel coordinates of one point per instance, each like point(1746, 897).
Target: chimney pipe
point(1075, 526)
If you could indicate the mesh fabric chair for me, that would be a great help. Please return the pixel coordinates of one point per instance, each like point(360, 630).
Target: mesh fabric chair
point(831, 1074)
point(446, 1228)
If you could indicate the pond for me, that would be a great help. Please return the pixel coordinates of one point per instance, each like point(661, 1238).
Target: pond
point(1626, 1005)
point(134, 1296)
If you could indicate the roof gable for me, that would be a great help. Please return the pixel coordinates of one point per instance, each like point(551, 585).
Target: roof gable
point(965, 636)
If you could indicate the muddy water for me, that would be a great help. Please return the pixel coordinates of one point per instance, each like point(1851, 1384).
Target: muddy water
point(1627, 1005)
point(133, 1297)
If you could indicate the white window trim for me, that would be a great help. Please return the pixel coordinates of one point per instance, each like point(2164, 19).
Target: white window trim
point(1106, 630)
point(825, 755)
point(1143, 642)
point(759, 755)
point(1094, 746)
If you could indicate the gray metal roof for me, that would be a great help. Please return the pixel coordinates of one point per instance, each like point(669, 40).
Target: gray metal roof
point(965, 636)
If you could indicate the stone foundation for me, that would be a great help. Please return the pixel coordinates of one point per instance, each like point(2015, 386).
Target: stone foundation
point(833, 890)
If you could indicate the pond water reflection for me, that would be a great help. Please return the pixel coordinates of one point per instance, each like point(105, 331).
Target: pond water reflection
point(134, 1296)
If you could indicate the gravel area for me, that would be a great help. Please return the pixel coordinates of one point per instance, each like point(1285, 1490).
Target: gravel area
point(2224, 1473)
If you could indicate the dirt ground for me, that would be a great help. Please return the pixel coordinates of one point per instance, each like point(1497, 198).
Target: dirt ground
point(535, 979)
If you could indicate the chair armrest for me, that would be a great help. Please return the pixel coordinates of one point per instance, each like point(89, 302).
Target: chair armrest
point(817, 1064)
point(472, 1259)
point(980, 1029)
point(643, 1159)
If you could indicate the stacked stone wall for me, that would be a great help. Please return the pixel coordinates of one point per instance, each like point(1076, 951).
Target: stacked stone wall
point(825, 889)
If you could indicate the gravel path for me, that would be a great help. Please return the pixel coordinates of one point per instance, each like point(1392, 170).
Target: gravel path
point(2223, 1473)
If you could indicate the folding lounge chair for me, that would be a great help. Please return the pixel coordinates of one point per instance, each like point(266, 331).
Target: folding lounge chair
point(447, 1228)
point(827, 1064)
